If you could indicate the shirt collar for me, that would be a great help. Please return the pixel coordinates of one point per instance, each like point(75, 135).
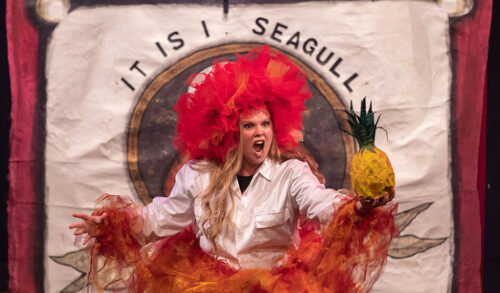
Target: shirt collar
point(265, 169)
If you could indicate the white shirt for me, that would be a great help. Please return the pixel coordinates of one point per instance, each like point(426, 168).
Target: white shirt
point(265, 217)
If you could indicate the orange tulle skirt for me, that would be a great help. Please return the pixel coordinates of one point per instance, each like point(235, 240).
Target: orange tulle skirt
point(347, 257)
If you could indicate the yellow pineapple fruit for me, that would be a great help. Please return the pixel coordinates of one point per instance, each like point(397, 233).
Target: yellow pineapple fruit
point(371, 171)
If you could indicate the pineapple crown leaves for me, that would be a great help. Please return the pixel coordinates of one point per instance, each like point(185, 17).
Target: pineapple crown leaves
point(363, 126)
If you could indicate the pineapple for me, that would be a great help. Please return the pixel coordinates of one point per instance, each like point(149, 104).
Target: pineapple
point(371, 171)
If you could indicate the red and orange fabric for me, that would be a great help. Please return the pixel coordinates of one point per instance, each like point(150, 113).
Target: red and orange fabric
point(347, 257)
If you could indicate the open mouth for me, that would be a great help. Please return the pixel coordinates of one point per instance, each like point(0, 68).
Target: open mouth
point(258, 145)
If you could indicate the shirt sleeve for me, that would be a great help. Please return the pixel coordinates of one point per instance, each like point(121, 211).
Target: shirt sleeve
point(168, 215)
point(311, 197)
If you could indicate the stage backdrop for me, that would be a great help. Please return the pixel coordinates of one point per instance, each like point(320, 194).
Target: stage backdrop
point(94, 83)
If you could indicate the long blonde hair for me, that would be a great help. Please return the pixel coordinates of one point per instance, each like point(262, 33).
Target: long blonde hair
point(218, 195)
point(215, 199)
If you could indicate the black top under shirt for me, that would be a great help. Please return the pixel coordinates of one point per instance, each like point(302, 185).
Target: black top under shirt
point(244, 181)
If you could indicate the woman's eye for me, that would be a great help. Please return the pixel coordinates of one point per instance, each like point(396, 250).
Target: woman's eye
point(247, 125)
point(266, 123)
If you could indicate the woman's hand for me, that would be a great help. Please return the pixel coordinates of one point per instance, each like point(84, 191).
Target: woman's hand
point(89, 225)
point(365, 205)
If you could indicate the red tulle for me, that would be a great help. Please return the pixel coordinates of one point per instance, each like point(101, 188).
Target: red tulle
point(347, 257)
point(208, 125)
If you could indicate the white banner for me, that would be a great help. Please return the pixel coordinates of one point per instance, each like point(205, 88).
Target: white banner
point(114, 72)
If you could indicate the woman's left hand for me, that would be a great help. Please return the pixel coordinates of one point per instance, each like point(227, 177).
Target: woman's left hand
point(364, 205)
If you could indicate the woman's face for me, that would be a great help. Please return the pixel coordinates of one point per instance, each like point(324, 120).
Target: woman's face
point(257, 133)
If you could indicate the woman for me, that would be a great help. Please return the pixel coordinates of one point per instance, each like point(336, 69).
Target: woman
point(248, 183)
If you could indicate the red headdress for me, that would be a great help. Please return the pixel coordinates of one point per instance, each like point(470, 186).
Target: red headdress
point(208, 118)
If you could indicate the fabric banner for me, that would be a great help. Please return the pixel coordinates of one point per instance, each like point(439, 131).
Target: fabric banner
point(94, 83)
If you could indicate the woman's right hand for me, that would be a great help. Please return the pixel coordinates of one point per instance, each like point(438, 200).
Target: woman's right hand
point(90, 225)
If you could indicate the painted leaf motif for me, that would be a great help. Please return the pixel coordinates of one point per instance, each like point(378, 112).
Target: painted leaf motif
point(409, 245)
point(79, 260)
point(76, 259)
point(404, 219)
point(77, 285)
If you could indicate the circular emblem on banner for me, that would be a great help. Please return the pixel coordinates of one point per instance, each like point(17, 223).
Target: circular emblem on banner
point(153, 161)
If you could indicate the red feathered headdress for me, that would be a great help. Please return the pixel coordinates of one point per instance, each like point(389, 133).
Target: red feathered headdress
point(208, 118)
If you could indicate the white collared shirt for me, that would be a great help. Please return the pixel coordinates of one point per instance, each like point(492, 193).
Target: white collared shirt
point(265, 217)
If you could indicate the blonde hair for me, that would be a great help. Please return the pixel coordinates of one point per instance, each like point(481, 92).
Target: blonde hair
point(218, 195)
point(215, 199)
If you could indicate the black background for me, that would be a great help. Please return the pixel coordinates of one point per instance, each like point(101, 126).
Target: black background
point(492, 226)
point(492, 220)
point(4, 151)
